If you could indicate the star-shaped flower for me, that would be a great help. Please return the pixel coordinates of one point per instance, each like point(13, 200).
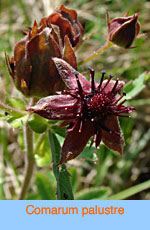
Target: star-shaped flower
point(88, 108)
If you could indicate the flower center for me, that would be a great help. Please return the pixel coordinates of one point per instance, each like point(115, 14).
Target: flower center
point(95, 106)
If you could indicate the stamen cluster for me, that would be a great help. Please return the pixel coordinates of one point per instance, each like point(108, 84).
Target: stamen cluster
point(96, 105)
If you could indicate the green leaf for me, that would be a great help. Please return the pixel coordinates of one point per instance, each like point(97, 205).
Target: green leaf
point(17, 122)
point(95, 193)
point(20, 140)
point(103, 164)
point(74, 178)
point(12, 111)
point(43, 153)
point(37, 124)
point(135, 87)
point(60, 131)
point(2, 194)
point(45, 189)
point(64, 189)
point(16, 103)
point(140, 102)
point(89, 153)
point(43, 160)
point(2, 115)
point(130, 191)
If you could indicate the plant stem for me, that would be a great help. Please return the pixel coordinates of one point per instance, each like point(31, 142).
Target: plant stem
point(8, 108)
point(64, 188)
point(29, 161)
point(106, 46)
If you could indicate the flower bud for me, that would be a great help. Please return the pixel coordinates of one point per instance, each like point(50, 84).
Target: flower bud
point(32, 68)
point(66, 20)
point(123, 30)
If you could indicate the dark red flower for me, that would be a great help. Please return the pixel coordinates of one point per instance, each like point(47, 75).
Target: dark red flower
point(32, 69)
point(90, 109)
point(123, 30)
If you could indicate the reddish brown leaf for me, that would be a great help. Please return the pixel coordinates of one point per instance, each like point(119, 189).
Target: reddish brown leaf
point(69, 55)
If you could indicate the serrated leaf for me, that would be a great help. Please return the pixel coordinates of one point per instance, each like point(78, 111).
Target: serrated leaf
point(37, 124)
point(135, 87)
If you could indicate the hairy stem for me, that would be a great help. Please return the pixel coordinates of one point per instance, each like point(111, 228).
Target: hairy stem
point(106, 46)
point(8, 108)
point(29, 161)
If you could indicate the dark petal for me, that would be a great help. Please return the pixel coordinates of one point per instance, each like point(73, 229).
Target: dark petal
point(123, 30)
point(22, 66)
point(116, 23)
point(77, 28)
point(126, 34)
point(44, 74)
point(69, 55)
point(71, 12)
point(10, 65)
point(113, 140)
point(56, 36)
point(64, 123)
point(138, 27)
point(111, 84)
point(66, 73)
point(34, 31)
point(43, 22)
point(64, 25)
point(75, 141)
point(61, 107)
point(76, 39)
point(19, 50)
point(98, 138)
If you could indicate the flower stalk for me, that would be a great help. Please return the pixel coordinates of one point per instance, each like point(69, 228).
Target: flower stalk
point(106, 46)
point(29, 158)
point(28, 134)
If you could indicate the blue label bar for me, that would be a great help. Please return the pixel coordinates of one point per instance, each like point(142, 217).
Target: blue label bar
point(74, 215)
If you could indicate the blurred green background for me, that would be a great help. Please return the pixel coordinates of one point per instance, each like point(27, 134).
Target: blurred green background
point(104, 173)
